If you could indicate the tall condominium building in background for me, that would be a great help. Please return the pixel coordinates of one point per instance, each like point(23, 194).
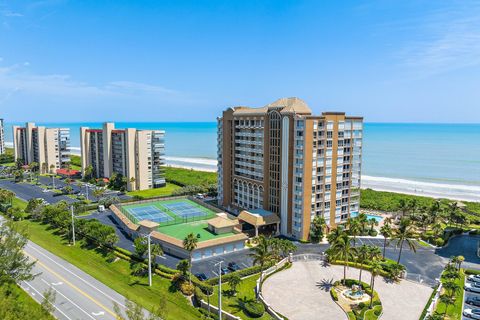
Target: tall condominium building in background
point(284, 160)
point(135, 154)
point(49, 147)
point(2, 138)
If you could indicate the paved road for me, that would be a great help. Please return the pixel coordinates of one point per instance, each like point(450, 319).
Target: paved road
point(78, 295)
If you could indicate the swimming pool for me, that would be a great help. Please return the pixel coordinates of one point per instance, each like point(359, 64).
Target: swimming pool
point(369, 216)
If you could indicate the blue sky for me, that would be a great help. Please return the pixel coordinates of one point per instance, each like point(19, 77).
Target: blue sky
point(392, 61)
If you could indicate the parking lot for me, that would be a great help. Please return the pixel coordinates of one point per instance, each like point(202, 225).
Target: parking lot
point(27, 191)
point(467, 296)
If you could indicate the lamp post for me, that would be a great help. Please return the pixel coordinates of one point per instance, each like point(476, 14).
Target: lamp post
point(53, 181)
point(219, 264)
point(149, 259)
point(86, 191)
point(73, 225)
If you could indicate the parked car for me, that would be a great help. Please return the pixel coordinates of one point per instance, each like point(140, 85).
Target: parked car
point(201, 276)
point(472, 313)
point(474, 301)
point(472, 287)
point(233, 266)
point(474, 277)
point(224, 270)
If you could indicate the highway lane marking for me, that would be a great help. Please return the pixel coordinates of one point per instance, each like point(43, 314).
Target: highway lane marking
point(58, 309)
point(76, 305)
point(96, 314)
point(76, 288)
point(84, 281)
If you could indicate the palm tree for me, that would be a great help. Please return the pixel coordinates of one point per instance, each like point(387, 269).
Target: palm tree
point(52, 168)
point(372, 222)
point(363, 253)
point(44, 167)
point(460, 260)
point(156, 251)
point(334, 234)
point(190, 243)
point(375, 269)
point(261, 253)
point(451, 287)
point(386, 232)
point(363, 221)
point(447, 300)
point(353, 229)
point(343, 250)
point(403, 207)
point(404, 233)
point(452, 211)
point(132, 183)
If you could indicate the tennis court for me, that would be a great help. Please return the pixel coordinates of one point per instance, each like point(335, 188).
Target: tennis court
point(167, 212)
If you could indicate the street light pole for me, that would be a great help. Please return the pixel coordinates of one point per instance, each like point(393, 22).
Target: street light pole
point(149, 262)
point(86, 191)
point(53, 181)
point(219, 289)
point(73, 225)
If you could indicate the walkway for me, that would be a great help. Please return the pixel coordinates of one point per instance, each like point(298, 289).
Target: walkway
point(302, 292)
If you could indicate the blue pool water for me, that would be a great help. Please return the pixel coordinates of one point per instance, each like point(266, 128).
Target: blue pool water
point(369, 216)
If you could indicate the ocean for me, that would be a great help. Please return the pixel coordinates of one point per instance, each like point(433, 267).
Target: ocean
point(441, 160)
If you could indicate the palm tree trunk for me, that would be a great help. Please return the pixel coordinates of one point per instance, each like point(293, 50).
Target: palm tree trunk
point(384, 246)
point(344, 273)
point(373, 292)
point(190, 267)
point(360, 277)
point(400, 252)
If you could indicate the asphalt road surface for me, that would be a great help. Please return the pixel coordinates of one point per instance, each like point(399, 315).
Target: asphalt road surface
point(26, 191)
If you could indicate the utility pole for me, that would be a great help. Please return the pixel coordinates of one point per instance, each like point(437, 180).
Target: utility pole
point(53, 181)
point(73, 225)
point(219, 289)
point(86, 191)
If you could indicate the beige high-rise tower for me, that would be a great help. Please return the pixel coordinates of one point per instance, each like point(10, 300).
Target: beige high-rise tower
point(2, 138)
point(135, 154)
point(284, 160)
point(49, 147)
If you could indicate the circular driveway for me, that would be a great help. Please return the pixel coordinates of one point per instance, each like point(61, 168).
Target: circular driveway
point(302, 292)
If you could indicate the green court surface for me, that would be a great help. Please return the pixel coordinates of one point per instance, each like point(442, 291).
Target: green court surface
point(180, 231)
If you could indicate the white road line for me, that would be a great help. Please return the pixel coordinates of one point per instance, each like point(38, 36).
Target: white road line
point(58, 309)
point(76, 305)
point(84, 281)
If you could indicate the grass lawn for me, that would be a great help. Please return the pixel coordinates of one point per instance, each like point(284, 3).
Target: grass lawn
point(116, 275)
point(76, 162)
point(233, 304)
point(454, 312)
point(188, 177)
point(157, 192)
point(18, 303)
point(180, 231)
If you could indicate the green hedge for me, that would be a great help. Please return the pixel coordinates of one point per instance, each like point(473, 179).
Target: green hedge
point(254, 309)
point(334, 294)
point(471, 271)
point(241, 273)
point(382, 273)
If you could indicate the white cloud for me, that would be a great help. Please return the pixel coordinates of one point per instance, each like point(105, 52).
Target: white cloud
point(449, 40)
point(8, 13)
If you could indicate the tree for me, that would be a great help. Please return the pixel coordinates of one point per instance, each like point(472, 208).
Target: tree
point(234, 282)
point(98, 193)
point(135, 312)
point(88, 173)
point(372, 222)
point(451, 287)
point(183, 266)
point(354, 227)
point(44, 167)
point(16, 213)
point(156, 251)
point(14, 264)
point(375, 269)
point(363, 253)
point(286, 247)
point(316, 229)
point(404, 234)
point(141, 246)
point(132, 183)
point(68, 189)
point(190, 243)
point(342, 250)
point(386, 232)
point(52, 168)
point(48, 302)
point(403, 207)
point(261, 253)
point(447, 300)
point(334, 234)
point(363, 221)
point(460, 260)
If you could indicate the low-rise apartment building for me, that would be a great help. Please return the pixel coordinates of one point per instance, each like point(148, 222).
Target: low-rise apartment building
point(135, 154)
point(48, 147)
point(282, 159)
point(2, 138)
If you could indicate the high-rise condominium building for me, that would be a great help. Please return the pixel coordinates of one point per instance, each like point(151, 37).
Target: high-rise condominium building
point(49, 147)
point(2, 138)
point(135, 154)
point(282, 159)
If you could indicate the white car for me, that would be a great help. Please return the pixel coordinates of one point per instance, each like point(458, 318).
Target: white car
point(472, 287)
point(472, 313)
point(474, 277)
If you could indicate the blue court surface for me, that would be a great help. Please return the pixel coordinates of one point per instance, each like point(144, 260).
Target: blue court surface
point(151, 213)
point(185, 209)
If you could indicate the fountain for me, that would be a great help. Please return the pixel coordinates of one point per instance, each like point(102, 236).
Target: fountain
point(355, 293)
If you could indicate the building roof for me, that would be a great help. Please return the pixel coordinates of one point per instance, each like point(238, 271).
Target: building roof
point(148, 224)
point(222, 222)
point(286, 105)
point(259, 219)
point(66, 172)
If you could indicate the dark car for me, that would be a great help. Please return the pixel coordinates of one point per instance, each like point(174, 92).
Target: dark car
point(474, 301)
point(224, 270)
point(233, 266)
point(201, 276)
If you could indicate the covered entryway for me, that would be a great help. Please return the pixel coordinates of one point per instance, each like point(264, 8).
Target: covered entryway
point(260, 218)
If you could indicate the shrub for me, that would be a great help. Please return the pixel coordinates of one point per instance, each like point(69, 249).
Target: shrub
point(361, 305)
point(377, 311)
point(471, 271)
point(373, 233)
point(439, 242)
point(208, 315)
point(334, 294)
point(254, 309)
point(187, 288)
point(241, 273)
